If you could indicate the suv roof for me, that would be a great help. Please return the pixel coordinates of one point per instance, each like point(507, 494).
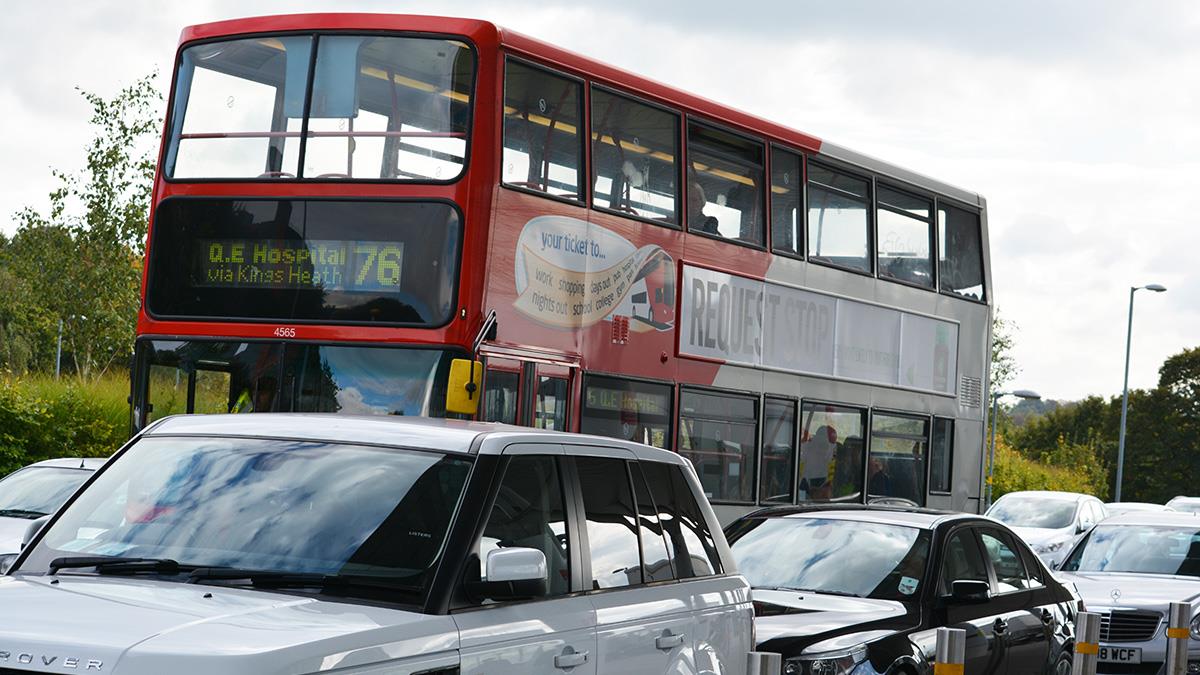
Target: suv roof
point(389, 430)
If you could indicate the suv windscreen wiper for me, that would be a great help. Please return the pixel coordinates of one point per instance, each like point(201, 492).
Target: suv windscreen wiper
point(113, 565)
point(21, 513)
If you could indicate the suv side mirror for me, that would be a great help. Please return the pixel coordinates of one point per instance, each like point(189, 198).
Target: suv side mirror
point(512, 574)
point(970, 592)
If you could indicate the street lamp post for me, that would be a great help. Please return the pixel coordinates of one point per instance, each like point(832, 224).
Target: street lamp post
point(1020, 393)
point(1157, 288)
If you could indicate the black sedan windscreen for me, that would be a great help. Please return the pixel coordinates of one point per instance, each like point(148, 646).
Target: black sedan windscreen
point(870, 560)
point(305, 260)
point(1140, 549)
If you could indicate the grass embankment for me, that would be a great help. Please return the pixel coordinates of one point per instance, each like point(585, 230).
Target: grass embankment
point(42, 418)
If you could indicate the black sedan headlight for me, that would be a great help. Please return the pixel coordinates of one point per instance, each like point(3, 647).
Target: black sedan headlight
point(6, 561)
point(843, 662)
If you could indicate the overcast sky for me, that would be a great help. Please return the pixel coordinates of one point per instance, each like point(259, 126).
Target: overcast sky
point(1079, 121)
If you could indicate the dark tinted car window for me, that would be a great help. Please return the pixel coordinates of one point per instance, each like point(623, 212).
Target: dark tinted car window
point(611, 529)
point(1006, 561)
point(961, 560)
point(529, 512)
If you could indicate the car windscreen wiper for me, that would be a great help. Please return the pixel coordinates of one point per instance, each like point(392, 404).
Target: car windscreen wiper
point(275, 579)
point(114, 565)
point(21, 513)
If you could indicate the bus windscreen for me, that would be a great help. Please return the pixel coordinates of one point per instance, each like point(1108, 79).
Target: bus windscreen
point(305, 260)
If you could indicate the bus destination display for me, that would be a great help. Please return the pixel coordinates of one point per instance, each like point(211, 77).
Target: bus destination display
point(318, 264)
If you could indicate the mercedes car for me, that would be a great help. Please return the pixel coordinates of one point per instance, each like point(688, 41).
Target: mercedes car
point(1129, 569)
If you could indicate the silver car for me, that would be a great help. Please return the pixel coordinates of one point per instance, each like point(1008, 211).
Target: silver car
point(1129, 569)
point(1050, 522)
point(1185, 504)
point(35, 491)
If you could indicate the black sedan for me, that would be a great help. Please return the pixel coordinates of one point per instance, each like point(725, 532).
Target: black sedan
point(840, 590)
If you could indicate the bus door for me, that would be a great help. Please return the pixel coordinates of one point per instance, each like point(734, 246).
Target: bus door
point(527, 393)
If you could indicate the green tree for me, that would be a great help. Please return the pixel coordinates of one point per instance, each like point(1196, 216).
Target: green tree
point(1180, 376)
point(1003, 365)
point(82, 259)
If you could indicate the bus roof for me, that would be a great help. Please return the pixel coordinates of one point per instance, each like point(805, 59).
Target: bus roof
point(487, 34)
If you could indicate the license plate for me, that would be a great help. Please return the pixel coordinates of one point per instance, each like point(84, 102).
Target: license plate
point(1120, 654)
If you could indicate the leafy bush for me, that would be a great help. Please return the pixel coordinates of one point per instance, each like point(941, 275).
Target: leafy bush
point(1015, 472)
point(41, 418)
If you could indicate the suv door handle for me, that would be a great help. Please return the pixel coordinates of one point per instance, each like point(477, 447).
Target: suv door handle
point(570, 659)
point(999, 625)
point(668, 641)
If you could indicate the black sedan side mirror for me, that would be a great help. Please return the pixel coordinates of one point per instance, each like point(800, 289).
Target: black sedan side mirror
point(969, 592)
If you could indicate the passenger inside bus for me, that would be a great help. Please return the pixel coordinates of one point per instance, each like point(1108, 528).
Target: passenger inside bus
point(697, 220)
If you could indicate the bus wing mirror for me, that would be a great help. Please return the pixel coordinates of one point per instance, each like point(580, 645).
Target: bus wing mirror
point(463, 389)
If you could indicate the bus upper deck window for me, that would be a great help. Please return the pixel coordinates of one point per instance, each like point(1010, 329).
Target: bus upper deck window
point(377, 107)
point(960, 252)
point(839, 226)
point(905, 226)
point(238, 107)
point(543, 149)
point(725, 180)
point(635, 157)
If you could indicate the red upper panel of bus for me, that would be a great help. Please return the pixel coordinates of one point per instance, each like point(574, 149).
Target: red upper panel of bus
point(487, 35)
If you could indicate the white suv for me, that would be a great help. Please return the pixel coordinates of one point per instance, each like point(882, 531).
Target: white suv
point(306, 543)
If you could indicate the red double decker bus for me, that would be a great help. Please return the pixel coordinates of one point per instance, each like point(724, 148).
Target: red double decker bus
point(343, 199)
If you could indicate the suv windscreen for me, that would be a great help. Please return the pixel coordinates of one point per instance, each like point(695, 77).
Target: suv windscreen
point(269, 505)
point(333, 107)
point(825, 555)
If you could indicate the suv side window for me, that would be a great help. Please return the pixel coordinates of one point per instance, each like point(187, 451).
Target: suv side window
point(611, 527)
point(529, 512)
point(1005, 561)
point(961, 560)
point(693, 551)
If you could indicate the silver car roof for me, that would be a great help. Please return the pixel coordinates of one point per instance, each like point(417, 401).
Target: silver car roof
point(443, 435)
point(1047, 494)
point(88, 463)
point(1155, 518)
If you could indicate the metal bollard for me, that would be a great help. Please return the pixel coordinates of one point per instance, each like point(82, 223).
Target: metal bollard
point(951, 651)
point(1178, 620)
point(1087, 644)
point(764, 663)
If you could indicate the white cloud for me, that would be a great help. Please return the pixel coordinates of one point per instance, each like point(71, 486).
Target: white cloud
point(1075, 119)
